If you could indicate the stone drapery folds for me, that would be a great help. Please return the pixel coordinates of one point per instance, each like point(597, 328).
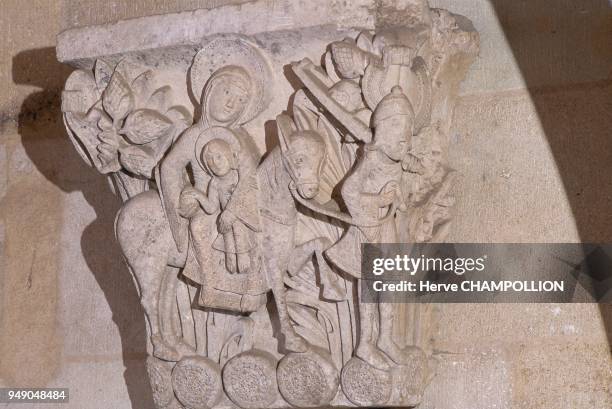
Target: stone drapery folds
point(243, 224)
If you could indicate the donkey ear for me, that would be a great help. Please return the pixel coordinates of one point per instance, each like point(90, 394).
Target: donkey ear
point(285, 128)
point(304, 118)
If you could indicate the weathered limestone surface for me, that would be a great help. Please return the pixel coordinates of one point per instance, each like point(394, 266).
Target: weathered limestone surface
point(541, 91)
point(525, 356)
point(223, 205)
point(189, 28)
point(68, 318)
point(93, 12)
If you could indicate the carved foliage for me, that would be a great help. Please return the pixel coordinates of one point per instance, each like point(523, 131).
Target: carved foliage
point(366, 133)
point(122, 122)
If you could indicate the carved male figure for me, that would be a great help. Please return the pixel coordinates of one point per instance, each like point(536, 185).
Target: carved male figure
point(372, 196)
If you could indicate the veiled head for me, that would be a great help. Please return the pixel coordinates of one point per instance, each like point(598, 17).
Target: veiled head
point(226, 96)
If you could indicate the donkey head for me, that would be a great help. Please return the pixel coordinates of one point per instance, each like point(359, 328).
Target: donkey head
point(303, 152)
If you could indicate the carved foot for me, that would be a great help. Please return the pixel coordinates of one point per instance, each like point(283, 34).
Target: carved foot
point(372, 355)
point(244, 263)
point(164, 351)
point(390, 348)
point(295, 343)
point(184, 349)
point(334, 291)
point(230, 263)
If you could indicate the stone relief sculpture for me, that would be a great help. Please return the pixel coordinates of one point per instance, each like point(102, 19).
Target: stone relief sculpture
point(122, 122)
point(248, 262)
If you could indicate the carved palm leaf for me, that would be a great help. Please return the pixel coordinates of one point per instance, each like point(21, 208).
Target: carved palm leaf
point(84, 137)
point(313, 319)
point(118, 99)
point(334, 169)
point(307, 325)
point(146, 125)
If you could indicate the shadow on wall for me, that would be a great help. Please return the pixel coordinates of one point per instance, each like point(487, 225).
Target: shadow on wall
point(48, 147)
point(564, 52)
point(562, 47)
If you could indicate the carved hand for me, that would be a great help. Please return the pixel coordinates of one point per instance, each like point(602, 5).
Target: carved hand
point(413, 164)
point(389, 193)
point(226, 220)
point(108, 154)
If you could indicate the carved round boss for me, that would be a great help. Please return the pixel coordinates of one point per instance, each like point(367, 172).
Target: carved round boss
point(197, 382)
point(307, 379)
point(250, 379)
point(159, 378)
point(365, 385)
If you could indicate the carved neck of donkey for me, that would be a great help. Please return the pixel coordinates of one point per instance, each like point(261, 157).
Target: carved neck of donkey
point(297, 161)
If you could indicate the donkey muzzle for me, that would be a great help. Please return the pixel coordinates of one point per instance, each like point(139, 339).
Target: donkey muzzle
point(308, 190)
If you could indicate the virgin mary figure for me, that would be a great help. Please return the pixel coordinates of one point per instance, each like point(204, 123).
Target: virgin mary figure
point(228, 74)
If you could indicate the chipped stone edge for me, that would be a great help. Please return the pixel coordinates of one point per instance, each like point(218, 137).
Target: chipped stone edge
point(78, 45)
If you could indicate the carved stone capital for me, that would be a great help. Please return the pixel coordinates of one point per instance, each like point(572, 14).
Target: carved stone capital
point(255, 148)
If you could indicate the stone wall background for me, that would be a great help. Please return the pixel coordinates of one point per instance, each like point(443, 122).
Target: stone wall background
point(69, 313)
point(531, 137)
point(532, 140)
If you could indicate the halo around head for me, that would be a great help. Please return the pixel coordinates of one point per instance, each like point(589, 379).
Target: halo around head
point(233, 50)
point(216, 132)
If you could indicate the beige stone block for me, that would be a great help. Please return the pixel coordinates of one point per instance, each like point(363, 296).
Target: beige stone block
point(187, 29)
point(522, 355)
point(28, 35)
point(536, 43)
point(79, 13)
point(29, 337)
point(575, 375)
point(534, 171)
point(99, 306)
point(480, 380)
point(465, 327)
point(101, 382)
point(511, 190)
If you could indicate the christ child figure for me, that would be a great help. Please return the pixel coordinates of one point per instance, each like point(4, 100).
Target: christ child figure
point(237, 240)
